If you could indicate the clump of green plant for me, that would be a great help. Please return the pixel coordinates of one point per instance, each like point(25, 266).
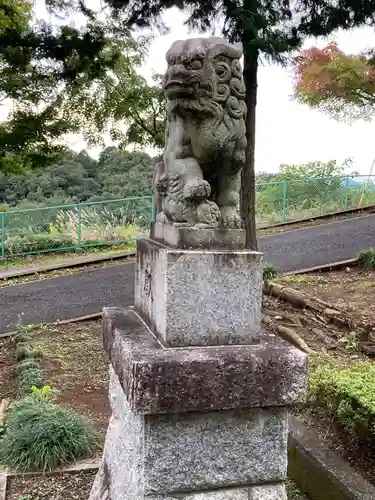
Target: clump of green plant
point(24, 351)
point(33, 242)
point(346, 393)
point(41, 435)
point(367, 259)
point(29, 375)
point(269, 272)
point(45, 393)
point(350, 341)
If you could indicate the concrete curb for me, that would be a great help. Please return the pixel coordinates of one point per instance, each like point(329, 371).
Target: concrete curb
point(64, 265)
point(319, 472)
point(325, 267)
point(77, 319)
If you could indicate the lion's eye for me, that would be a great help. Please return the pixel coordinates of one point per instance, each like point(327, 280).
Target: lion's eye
point(195, 64)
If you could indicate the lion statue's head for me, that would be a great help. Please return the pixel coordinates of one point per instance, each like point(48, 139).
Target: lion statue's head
point(205, 75)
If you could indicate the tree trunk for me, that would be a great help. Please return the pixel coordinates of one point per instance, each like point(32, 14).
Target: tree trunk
point(250, 74)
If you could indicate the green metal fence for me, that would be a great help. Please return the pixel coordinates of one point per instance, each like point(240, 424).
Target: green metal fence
point(85, 225)
point(70, 227)
point(297, 199)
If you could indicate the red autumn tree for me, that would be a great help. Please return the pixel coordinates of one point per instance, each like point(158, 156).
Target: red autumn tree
point(340, 84)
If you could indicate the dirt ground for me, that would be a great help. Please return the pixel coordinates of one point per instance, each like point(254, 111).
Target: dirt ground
point(350, 292)
point(351, 289)
point(74, 363)
point(65, 487)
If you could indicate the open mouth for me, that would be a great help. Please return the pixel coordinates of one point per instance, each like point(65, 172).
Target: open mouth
point(178, 87)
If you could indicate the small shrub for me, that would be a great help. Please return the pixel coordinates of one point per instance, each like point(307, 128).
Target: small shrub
point(22, 332)
point(269, 272)
point(45, 393)
point(18, 245)
point(28, 379)
point(41, 435)
point(24, 351)
point(27, 365)
point(348, 394)
point(367, 259)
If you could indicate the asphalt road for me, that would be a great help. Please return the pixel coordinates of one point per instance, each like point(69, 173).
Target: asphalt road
point(90, 291)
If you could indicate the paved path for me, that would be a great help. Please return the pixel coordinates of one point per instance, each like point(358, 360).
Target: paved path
point(88, 292)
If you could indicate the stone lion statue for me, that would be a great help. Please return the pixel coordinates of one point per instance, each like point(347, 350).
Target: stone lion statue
point(198, 181)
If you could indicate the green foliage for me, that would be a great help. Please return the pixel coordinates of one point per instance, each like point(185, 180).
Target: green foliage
point(43, 64)
point(19, 245)
point(29, 364)
point(29, 378)
point(350, 341)
point(44, 393)
point(310, 189)
point(40, 435)
point(78, 178)
point(123, 103)
point(24, 351)
point(347, 393)
point(367, 259)
point(269, 272)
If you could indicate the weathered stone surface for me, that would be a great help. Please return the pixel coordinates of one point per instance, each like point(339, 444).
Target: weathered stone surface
point(199, 297)
point(198, 181)
point(319, 470)
point(187, 237)
point(202, 450)
point(161, 454)
point(222, 494)
point(160, 380)
point(268, 492)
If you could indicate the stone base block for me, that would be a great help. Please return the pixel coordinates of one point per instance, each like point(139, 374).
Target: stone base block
point(185, 237)
point(157, 456)
point(199, 297)
point(196, 422)
point(159, 380)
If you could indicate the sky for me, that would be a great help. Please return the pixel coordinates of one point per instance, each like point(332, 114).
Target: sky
point(287, 132)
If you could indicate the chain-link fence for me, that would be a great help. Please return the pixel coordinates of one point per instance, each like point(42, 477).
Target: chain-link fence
point(297, 199)
point(69, 227)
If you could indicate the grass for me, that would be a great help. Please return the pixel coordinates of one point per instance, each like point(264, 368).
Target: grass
point(59, 272)
point(31, 261)
point(38, 433)
point(301, 279)
point(346, 392)
point(28, 378)
point(269, 271)
point(294, 493)
point(367, 259)
point(41, 435)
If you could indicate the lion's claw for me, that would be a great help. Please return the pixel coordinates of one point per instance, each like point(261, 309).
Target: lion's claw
point(198, 189)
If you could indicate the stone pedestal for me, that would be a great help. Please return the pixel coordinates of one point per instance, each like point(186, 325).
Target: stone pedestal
point(199, 393)
point(199, 297)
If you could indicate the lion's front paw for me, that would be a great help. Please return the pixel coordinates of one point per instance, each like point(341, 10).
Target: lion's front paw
point(198, 189)
point(230, 218)
point(208, 214)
